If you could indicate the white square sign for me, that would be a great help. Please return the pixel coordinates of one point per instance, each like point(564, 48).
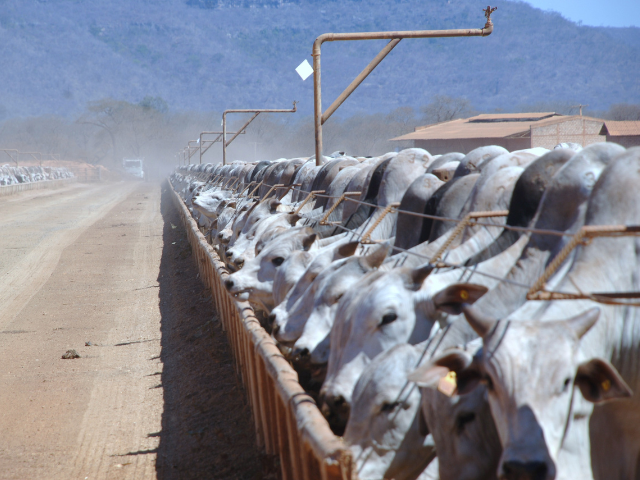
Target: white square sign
point(304, 70)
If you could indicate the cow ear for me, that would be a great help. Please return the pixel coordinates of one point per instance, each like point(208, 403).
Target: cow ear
point(293, 219)
point(423, 427)
point(307, 242)
point(348, 249)
point(453, 372)
point(599, 381)
point(376, 257)
point(451, 299)
point(231, 204)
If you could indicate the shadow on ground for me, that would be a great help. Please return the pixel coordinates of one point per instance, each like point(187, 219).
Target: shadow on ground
point(207, 427)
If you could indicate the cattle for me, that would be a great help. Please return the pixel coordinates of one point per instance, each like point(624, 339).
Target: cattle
point(556, 433)
point(385, 433)
point(358, 320)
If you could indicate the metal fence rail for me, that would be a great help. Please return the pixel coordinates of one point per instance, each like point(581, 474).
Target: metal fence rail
point(23, 187)
point(288, 423)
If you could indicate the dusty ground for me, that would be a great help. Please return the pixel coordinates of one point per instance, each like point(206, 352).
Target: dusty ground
point(155, 394)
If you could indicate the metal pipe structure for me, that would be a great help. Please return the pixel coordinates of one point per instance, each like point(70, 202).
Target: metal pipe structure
point(256, 112)
point(7, 150)
point(394, 38)
point(211, 142)
point(33, 155)
point(191, 149)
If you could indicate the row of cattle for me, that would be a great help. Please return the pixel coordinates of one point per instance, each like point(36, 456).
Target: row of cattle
point(420, 383)
point(13, 175)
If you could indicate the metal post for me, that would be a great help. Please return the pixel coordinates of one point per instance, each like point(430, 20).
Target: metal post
point(33, 155)
point(191, 149)
point(7, 150)
point(394, 38)
point(256, 112)
point(211, 142)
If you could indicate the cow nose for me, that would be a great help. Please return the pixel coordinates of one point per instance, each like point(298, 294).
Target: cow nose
point(515, 470)
point(334, 401)
point(228, 283)
point(272, 318)
point(301, 354)
point(239, 262)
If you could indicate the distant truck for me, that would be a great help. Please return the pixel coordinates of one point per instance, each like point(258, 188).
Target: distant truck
point(134, 167)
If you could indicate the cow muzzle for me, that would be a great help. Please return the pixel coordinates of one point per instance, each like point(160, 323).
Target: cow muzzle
point(517, 470)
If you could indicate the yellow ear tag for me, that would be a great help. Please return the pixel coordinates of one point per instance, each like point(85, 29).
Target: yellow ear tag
point(606, 385)
point(448, 384)
point(464, 294)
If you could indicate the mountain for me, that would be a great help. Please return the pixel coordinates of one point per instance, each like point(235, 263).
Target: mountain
point(207, 55)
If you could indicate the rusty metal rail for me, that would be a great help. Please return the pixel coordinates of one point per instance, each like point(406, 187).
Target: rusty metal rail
point(584, 236)
point(287, 421)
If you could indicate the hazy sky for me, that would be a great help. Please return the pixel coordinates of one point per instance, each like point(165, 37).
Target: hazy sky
point(610, 13)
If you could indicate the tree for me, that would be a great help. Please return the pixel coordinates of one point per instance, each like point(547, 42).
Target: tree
point(624, 111)
point(444, 108)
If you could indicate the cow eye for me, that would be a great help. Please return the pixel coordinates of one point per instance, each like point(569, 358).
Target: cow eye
point(488, 382)
point(567, 382)
point(277, 261)
point(463, 419)
point(389, 406)
point(388, 318)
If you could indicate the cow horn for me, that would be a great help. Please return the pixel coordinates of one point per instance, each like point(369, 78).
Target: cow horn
point(307, 241)
point(419, 274)
point(582, 323)
point(480, 323)
point(293, 219)
point(348, 249)
point(377, 256)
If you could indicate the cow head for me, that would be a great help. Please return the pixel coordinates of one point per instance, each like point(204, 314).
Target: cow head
point(530, 369)
point(378, 312)
point(254, 282)
point(316, 312)
point(385, 431)
point(463, 429)
point(287, 332)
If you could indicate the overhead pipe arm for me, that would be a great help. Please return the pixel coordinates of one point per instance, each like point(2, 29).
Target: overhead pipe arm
point(256, 112)
point(394, 38)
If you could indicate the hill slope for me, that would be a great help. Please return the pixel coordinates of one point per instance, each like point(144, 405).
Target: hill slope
point(209, 55)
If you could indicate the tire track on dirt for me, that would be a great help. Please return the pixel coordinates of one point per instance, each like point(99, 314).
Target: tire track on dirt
point(24, 279)
point(109, 450)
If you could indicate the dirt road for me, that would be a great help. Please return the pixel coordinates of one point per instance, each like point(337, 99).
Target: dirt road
point(100, 269)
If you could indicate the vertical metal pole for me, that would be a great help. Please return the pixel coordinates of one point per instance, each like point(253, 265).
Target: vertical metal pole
point(200, 143)
point(224, 138)
point(317, 101)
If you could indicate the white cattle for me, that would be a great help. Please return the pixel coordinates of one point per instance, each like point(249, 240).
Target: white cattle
point(301, 268)
point(546, 430)
point(310, 319)
point(254, 282)
point(385, 432)
point(380, 311)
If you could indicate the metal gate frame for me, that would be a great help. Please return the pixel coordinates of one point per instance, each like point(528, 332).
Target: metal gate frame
point(256, 112)
point(394, 38)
